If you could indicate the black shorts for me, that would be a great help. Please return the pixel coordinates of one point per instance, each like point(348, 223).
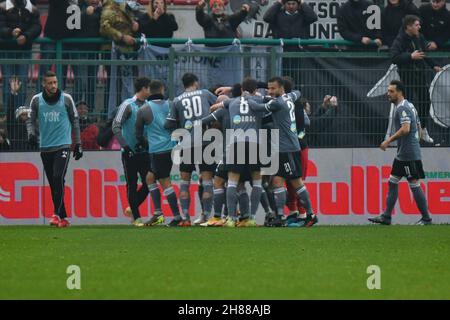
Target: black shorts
point(161, 164)
point(409, 169)
point(189, 167)
point(247, 164)
point(221, 171)
point(290, 165)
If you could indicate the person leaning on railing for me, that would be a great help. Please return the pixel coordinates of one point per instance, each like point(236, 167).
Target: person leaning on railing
point(19, 27)
point(290, 19)
point(435, 23)
point(85, 77)
point(157, 22)
point(352, 24)
point(118, 23)
point(392, 16)
point(16, 118)
point(219, 24)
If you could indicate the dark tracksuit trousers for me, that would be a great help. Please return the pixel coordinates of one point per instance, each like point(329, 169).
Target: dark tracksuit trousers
point(55, 167)
point(137, 165)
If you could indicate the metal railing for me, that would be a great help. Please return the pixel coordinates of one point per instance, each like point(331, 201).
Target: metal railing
point(329, 69)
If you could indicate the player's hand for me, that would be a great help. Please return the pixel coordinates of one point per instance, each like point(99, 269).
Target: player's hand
point(32, 140)
point(21, 40)
point(432, 46)
point(77, 152)
point(142, 146)
point(216, 106)
point(245, 7)
point(129, 40)
point(437, 69)
point(127, 152)
point(417, 55)
point(222, 91)
point(384, 145)
point(365, 40)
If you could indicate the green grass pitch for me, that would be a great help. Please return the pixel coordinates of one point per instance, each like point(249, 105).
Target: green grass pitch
point(324, 262)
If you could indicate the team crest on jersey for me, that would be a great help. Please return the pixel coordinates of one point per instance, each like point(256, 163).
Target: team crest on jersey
point(293, 127)
point(237, 119)
point(404, 114)
point(188, 125)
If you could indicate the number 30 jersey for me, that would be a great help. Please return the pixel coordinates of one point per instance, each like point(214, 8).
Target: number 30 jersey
point(189, 108)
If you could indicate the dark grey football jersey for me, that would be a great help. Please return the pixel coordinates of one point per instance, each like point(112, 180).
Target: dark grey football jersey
point(408, 146)
point(283, 117)
point(190, 107)
point(243, 117)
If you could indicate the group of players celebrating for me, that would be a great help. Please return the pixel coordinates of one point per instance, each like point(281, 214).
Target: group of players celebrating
point(147, 124)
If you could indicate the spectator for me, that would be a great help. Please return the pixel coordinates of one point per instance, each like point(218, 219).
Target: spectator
point(83, 115)
point(352, 23)
point(219, 25)
point(85, 77)
point(435, 23)
point(156, 22)
point(118, 23)
point(392, 16)
point(56, 28)
point(16, 117)
point(408, 53)
point(5, 144)
point(323, 122)
point(290, 19)
point(19, 26)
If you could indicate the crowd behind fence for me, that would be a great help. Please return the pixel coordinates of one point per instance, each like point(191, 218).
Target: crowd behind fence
point(96, 79)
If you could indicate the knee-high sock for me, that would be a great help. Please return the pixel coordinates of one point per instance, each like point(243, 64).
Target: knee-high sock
point(200, 194)
point(171, 197)
point(207, 195)
point(232, 198)
point(392, 196)
point(420, 199)
point(255, 197)
point(219, 201)
point(265, 201)
point(156, 197)
point(280, 199)
point(185, 201)
point(303, 196)
point(244, 203)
